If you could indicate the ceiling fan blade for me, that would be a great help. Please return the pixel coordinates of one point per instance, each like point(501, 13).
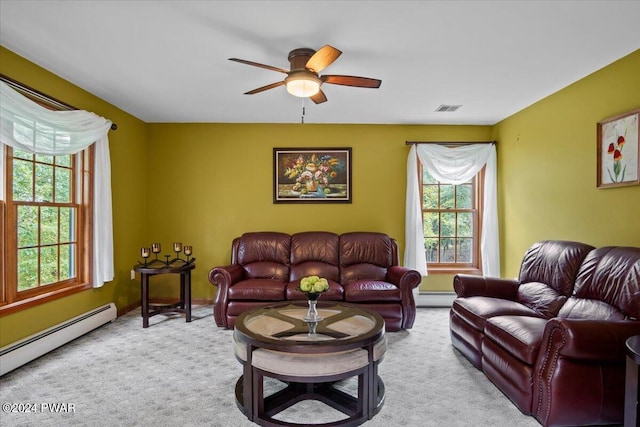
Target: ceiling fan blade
point(323, 58)
point(263, 88)
point(352, 81)
point(256, 64)
point(319, 97)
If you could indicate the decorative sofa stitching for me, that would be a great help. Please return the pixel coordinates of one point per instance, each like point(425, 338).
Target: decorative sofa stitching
point(541, 379)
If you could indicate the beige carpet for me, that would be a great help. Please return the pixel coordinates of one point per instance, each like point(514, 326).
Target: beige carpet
point(183, 374)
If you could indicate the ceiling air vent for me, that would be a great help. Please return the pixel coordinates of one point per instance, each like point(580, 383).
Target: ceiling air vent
point(447, 108)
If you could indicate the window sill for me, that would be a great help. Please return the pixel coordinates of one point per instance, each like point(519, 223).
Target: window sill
point(42, 298)
point(453, 270)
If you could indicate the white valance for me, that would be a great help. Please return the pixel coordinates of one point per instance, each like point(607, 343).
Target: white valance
point(452, 165)
point(55, 132)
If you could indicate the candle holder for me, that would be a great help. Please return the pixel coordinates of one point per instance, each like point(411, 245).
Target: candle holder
point(188, 250)
point(156, 248)
point(144, 252)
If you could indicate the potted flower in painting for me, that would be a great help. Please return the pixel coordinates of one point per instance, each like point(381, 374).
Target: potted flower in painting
point(615, 149)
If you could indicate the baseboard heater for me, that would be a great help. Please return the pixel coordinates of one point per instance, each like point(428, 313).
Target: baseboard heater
point(435, 299)
point(18, 353)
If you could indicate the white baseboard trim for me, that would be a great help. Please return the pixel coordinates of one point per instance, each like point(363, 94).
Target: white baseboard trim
point(435, 299)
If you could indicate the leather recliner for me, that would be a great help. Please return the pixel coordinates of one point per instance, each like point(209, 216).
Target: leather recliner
point(553, 340)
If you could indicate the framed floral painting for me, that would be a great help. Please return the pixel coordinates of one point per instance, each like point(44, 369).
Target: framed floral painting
point(312, 175)
point(618, 155)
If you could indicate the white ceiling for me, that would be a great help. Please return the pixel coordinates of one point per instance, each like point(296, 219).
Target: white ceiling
point(166, 61)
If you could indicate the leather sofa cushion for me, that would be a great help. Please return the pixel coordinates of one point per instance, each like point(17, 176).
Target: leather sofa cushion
point(318, 246)
point(476, 310)
point(371, 290)
point(266, 270)
point(316, 253)
point(540, 297)
point(264, 255)
point(357, 272)
point(590, 309)
point(610, 275)
point(518, 335)
point(365, 256)
point(258, 289)
point(372, 248)
point(314, 268)
point(555, 263)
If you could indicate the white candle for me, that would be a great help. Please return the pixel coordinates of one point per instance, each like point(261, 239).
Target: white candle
point(155, 247)
point(144, 252)
point(177, 247)
point(188, 250)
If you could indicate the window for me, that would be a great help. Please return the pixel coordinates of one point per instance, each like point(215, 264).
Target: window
point(451, 216)
point(46, 217)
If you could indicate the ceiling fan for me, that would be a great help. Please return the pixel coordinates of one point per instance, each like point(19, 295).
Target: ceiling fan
point(303, 79)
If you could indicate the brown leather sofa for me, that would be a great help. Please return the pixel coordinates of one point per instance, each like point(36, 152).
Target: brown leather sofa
point(553, 340)
point(361, 267)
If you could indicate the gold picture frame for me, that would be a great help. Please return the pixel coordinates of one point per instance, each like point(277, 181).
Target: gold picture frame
point(618, 154)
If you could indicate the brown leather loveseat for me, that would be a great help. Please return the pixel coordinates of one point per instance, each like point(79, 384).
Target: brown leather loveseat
point(553, 340)
point(361, 267)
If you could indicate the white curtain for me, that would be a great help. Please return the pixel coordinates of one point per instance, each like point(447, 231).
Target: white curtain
point(61, 133)
point(452, 165)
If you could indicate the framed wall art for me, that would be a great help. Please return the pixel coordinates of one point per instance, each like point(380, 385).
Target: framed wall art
point(312, 175)
point(618, 155)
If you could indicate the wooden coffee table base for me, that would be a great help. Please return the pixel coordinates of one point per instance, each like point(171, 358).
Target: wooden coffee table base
point(267, 407)
point(310, 358)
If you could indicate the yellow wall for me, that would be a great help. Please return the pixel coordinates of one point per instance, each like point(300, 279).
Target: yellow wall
point(547, 167)
point(204, 184)
point(129, 165)
point(217, 183)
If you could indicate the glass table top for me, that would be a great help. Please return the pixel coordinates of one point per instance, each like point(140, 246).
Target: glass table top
point(282, 325)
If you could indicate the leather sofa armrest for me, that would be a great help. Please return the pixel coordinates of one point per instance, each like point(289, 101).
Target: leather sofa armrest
point(406, 280)
point(223, 278)
point(593, 340)
point(467, 285)
point(577, 351)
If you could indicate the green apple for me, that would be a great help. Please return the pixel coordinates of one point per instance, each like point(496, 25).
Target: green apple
point(321, 285)
point(305, 286)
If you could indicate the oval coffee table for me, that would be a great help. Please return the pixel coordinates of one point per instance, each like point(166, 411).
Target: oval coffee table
point(310, 358)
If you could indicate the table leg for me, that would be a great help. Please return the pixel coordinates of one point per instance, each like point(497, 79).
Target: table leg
point(185, 290)
point(371, 384)
point(632, 394)
point(258, 396)
point(182, 282)
point(144, 284)
point(248, 384)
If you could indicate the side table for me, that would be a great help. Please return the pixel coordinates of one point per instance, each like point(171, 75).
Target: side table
point(182, 306)
point(632, 385)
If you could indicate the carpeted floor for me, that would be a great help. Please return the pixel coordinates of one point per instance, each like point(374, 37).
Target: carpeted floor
point(183, 374)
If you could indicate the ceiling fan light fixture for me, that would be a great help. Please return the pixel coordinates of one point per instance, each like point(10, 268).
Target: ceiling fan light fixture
point(303, 86)
point(303, 79)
